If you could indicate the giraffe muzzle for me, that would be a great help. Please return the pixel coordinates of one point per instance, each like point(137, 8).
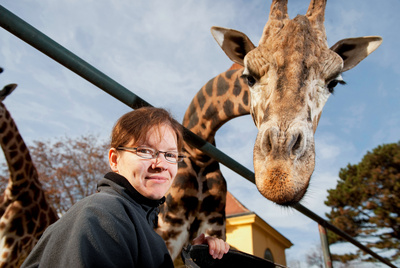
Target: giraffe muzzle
point(284, 161)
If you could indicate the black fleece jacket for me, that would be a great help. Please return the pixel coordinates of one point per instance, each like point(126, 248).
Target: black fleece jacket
point(112, 228)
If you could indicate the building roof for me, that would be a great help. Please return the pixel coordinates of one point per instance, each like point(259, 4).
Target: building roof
point(234, 207)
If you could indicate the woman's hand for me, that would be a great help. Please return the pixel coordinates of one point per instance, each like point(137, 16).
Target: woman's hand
point(217, 247)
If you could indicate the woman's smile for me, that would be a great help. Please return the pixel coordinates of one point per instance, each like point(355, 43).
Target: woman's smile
point(158, 179)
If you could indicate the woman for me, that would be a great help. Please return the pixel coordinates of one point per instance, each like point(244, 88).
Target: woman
point(114, 227)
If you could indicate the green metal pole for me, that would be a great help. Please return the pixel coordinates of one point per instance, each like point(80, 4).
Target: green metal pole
point(336, 230)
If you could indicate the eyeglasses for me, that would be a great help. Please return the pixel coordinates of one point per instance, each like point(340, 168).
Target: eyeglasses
point(150, 153)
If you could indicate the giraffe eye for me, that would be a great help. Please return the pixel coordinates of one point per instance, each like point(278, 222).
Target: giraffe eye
point(333, 83)
point(250, 80)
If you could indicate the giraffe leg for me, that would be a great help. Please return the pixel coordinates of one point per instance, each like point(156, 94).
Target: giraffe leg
point(211, 227)
point(212, 209)
point(175, 236)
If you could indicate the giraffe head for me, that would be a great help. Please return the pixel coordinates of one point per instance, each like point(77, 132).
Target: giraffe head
point(5, 92)
point(290, 76)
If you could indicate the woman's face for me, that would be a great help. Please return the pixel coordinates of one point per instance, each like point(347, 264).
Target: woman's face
point(150, 177)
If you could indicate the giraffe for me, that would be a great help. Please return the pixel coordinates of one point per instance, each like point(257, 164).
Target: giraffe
point(284, 84)
point(24, 210)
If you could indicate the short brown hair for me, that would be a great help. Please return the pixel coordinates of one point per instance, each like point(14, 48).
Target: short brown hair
point(136, 124)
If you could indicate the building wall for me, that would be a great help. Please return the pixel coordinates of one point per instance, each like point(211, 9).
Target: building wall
point(250, 234)
point(238, 230)
point(262, 241)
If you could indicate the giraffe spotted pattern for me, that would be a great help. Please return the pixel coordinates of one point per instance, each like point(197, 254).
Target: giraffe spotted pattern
point(24, 210)
point(196, 201)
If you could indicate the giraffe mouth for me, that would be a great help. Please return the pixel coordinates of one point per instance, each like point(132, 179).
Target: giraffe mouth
point(280, 187)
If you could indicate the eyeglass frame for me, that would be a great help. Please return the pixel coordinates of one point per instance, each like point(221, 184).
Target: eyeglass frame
point(155, 153)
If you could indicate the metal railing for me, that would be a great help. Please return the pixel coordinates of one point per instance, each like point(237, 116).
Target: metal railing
point(49, 47)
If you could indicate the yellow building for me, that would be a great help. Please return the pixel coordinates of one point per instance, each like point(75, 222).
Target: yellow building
point(247, 232)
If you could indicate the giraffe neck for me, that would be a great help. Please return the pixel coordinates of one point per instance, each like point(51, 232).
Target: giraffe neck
point(16, 153)
point(24, 210)
point(223, 98)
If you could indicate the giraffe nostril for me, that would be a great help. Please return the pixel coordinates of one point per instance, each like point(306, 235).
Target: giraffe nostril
point(298, 140)
point(270, 140)
point(296, 145)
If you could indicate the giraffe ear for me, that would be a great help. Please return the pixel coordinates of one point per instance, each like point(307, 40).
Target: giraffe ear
point(7, 91)
point(235, 44)
point(354, 50)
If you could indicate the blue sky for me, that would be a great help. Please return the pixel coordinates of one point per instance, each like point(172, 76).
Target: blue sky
point(163, 52)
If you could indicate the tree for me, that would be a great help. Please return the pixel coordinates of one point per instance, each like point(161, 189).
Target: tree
point(315, 257)
point(68, 169)
point(366, 202)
